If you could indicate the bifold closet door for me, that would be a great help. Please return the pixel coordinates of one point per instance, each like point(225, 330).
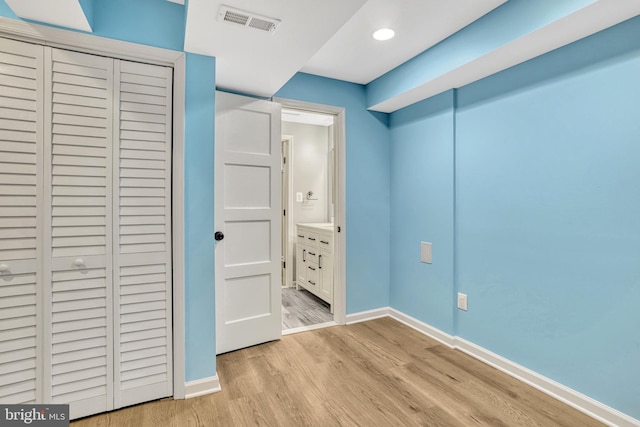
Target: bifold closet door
point(142, 232)
point(78, 231)
point(110, 243)
point(20, 221)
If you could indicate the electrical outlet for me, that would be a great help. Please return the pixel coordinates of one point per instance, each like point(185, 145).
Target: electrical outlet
point(462, 301)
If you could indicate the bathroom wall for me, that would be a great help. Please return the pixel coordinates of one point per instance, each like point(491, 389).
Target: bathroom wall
point(309, 170)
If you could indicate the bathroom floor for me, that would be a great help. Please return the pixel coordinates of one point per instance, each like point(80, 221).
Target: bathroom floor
point(302, 308)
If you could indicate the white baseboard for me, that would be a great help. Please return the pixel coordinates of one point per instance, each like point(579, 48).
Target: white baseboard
point(363, 316)
point(201, 387)
point(577, 400)
point(430, 331)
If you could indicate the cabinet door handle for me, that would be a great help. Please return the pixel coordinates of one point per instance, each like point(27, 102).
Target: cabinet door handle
point(319, 261)
point(304, 252)
point(300, 235)
point(311, 238)
point(311, 268)
point(312, 282)
point(322, 241)
point(312, 253)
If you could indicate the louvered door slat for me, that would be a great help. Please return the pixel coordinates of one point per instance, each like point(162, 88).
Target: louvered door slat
point(142, 214)
point(21, 139)
point(79, 231)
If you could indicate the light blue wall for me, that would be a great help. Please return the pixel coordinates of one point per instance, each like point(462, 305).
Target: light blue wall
point(367, 182)
point(499, 27)
point(150, 22)
point(547, 201)
point(198, 208)
point(161, 24)
point(422, 153)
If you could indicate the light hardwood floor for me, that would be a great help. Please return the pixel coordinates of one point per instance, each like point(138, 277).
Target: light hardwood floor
point(376, 373)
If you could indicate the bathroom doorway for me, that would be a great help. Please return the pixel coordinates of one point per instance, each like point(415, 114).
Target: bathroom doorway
point(310, 291)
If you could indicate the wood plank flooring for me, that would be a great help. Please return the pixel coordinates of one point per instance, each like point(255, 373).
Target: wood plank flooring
point(302, 308)
point(376, 373)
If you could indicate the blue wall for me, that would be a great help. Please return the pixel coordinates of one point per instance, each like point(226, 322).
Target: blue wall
point(367, 182)
point(422, 210)
point(161, 24)
point(198, 217)
point(547, 201)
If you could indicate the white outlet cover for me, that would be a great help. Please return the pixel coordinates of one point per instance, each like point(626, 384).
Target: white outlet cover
point(462, 301)
point(425, 252)
point(299, 197)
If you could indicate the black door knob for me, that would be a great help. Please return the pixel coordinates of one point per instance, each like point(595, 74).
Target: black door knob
point(218, 236)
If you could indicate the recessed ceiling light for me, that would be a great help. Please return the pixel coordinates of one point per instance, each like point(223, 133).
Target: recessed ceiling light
point(384, 34)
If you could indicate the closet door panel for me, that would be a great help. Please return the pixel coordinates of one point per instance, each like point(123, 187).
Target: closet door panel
point(79, 168)
point(21, 138)
point(142, 187)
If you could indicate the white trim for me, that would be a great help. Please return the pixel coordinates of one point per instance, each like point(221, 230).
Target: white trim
point(423, 328)
point(308, 328)
point(88, 43)
point(364, 316)
point(201, 387)
point(289, 281)
point(573, 398)
point(179, 340)
point(339, 248)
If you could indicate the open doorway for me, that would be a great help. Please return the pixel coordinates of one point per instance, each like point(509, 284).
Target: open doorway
point(308, 212)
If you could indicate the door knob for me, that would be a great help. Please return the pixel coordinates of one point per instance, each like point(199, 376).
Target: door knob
point(79, 262)
point(218, 236)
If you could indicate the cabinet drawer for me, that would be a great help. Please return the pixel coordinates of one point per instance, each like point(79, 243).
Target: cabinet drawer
point(312, 275)
point(312, 254)
point(325, 242)
point(312, 239)
point(301, 237)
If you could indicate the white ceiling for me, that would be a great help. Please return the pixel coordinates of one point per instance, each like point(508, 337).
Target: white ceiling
point(332, 38)
point(64, 13)
point(256, 62)
point(353, 55)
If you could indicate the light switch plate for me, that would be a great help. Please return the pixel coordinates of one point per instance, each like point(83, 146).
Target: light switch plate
point(299, 197)
point(425, 252)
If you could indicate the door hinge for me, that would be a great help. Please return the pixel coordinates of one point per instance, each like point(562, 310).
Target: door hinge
point(284, 160)
point(284, 212)
point(284, 264)
point(338, 229)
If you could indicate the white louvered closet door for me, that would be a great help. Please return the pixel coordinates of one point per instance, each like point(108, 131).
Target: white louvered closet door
point(20, 221)
point(78, 231)
point(142, 230)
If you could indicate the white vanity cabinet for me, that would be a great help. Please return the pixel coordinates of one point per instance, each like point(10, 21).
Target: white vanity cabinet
point(314, 259)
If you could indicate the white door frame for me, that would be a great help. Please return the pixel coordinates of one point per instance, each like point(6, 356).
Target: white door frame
point(339, 249)
point(88, 43)
point(288, 230)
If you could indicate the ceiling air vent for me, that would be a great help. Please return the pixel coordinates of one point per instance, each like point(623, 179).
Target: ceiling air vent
point(247, 19)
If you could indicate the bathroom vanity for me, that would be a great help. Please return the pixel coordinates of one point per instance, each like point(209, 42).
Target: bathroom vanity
point(314, 259)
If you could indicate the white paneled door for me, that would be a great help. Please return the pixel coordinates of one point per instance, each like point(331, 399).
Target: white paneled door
point(247, 213)
point(85, 229)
